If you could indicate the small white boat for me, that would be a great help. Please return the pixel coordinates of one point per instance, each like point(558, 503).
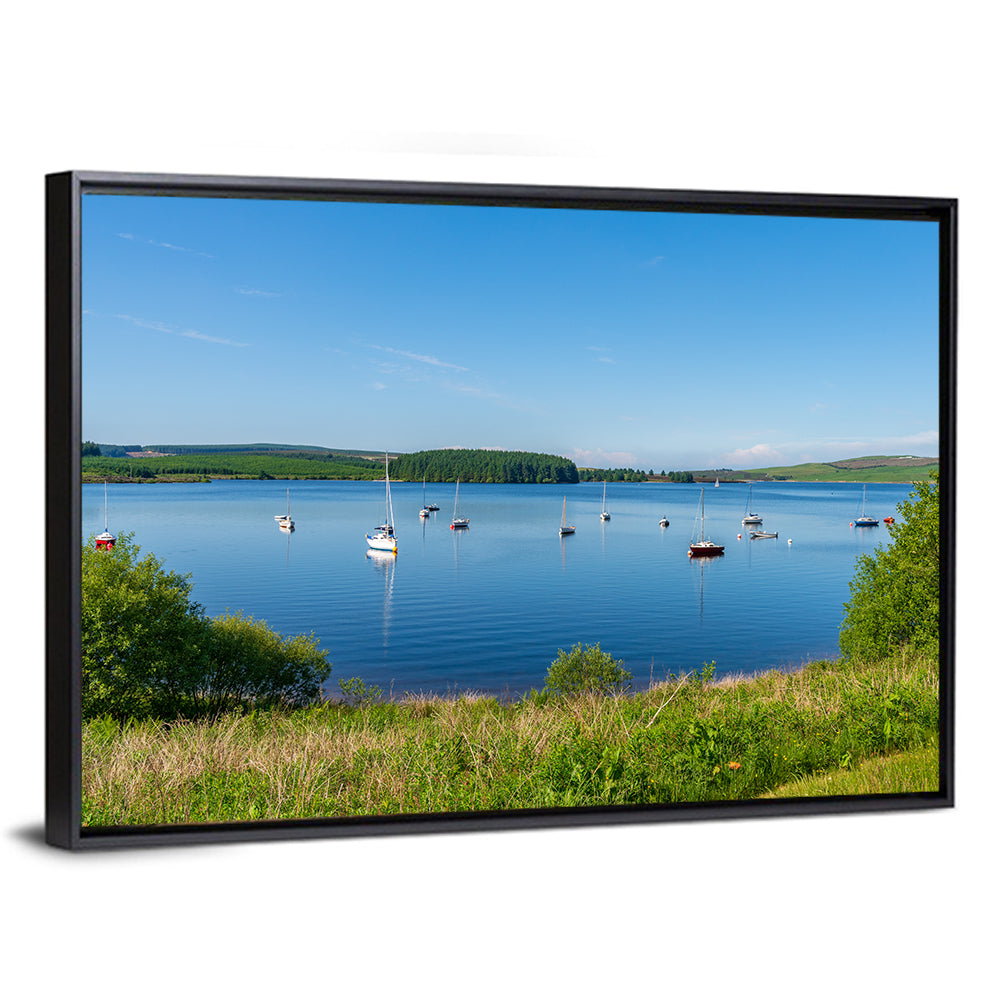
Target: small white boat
point(716, 483)
point(456, 521)
point(664, 523)
point(564, 528)
point(865, 520)
point(105, 540)
point(763, 534)
point(749, 517)
point(383, 538)
point(285, 520)
point(425, 511)
point(605, 516)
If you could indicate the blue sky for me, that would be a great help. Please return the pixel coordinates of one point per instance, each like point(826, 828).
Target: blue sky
point(652, 340)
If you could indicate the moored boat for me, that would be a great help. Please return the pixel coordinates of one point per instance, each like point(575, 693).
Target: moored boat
point(749, 517)
point(105, 540)
point(285, 520)
point(564, 528)
point(705, 546)
point(865, 520)
point(456, 521)
point(383, 538)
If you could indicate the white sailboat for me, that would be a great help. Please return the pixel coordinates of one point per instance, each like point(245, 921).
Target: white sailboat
point(285, 520)
point(865, 520)
point(383, 538)
point(605, 516)
point(564, 528)
point(750, 517)
point(705, 546)
point(425, 511)
point(105, 540)
point(456, 521)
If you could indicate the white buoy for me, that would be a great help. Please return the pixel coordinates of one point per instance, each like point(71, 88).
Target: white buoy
point(739, 536)
point(789, 541)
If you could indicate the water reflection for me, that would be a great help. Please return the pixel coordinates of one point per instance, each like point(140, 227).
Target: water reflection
point(384, 563)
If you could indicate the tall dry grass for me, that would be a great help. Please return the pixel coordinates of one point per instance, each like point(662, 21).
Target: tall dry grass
point(686, 739)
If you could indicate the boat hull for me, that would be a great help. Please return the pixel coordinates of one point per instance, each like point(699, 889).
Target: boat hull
point(381, 543)
point(702, 549)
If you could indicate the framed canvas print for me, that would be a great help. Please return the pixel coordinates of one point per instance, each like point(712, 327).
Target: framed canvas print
point(394, 507)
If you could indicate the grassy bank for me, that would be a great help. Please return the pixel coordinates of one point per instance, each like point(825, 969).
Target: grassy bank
point(690, 739)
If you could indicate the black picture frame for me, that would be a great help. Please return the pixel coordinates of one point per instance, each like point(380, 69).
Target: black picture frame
point(64, 194)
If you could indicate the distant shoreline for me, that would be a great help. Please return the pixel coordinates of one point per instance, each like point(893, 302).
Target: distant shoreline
point(90, 480)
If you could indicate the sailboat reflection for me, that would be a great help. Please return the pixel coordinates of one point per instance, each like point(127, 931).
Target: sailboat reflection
point(384, 563)
point(702, 565)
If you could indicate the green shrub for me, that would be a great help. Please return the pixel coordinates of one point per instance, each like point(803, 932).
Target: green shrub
point(895, 592)
point(149, 651)
point(588, 669)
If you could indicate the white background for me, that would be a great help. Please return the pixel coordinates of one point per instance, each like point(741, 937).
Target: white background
point(857, 98)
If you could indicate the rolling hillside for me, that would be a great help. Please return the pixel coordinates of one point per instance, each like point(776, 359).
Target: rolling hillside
point(867, 469)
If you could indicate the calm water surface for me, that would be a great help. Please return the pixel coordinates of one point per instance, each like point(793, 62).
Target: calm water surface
point(487, 609)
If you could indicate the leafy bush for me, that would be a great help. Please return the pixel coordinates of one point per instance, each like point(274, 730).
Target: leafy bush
point(250, 662)
point(149, 651)
point(895, 591)
point(588, 669)
point(354, 691)
point(143, 638)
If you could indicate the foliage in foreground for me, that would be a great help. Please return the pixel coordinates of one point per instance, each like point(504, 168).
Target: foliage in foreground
point(149, 651)
point(686, 740)
point(587, 670)
point(895, 593)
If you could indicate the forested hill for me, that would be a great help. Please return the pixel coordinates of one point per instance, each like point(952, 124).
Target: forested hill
point(481, 465)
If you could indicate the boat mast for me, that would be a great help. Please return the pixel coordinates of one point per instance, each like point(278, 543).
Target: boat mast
point(388, 496)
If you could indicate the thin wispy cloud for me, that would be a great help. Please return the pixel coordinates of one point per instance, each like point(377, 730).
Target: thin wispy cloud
point(258, 292)
point(165, 246)
point(177, 331)
point(653, 261)
point(425, 359)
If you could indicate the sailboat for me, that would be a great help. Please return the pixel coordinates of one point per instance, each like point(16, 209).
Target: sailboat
point(285, 520)
point(564, 528)
point(865, 520)
point(749, 517)
point(605, 516)
point(705, 546)
point(105, 540)
point(456, 521)
point(716, 482)
point(425, 511)
point(384, 536)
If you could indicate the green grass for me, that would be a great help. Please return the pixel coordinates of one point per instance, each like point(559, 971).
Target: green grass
point(870, 469)
point(910, 771)
point(684, 740)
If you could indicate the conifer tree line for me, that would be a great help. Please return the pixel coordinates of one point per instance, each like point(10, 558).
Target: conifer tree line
point(480, 465)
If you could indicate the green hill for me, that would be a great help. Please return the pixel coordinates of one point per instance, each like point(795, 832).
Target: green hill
point(867, 469)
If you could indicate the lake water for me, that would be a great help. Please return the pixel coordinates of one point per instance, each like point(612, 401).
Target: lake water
point(487, 609)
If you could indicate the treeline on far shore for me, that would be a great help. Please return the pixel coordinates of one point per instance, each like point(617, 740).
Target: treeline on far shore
point(177, 463)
